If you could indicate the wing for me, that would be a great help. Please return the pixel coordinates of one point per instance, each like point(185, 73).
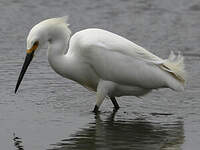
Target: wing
point(117, 59)
point(112, 42)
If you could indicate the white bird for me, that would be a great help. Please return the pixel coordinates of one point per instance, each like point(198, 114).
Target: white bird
point(102, 61)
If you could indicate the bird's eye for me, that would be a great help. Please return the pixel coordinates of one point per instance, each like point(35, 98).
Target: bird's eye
point(36, 43)
point(50, 40)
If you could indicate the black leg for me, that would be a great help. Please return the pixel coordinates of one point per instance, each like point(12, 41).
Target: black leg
point(114, 103)
point(96, 109)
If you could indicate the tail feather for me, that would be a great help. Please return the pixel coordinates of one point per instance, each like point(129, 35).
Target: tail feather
point(175, 66)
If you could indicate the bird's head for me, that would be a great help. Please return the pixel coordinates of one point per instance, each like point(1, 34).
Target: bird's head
point(45, 32)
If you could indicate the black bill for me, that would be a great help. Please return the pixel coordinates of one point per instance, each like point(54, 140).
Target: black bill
point(28, 59)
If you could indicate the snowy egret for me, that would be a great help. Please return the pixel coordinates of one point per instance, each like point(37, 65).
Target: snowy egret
point(102, 61)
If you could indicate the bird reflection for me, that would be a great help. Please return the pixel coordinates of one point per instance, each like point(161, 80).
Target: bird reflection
point(17, 142)
point(137, 134)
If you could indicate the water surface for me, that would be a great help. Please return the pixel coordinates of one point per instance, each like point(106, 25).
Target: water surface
point(50, 112)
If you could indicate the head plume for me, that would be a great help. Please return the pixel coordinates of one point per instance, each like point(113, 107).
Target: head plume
point(49, 29)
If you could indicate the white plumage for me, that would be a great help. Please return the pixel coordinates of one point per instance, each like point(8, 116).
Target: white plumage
point(105, 62)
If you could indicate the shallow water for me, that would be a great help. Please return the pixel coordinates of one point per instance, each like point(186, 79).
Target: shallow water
point(50, 112)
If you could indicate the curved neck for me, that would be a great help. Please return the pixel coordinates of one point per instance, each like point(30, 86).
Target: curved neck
point(63, 64)
point(57, 58)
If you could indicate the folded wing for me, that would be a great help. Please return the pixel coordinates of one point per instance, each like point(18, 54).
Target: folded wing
point(119, 60)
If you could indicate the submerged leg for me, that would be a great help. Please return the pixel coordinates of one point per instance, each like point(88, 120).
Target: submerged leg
point(101, 94)
point(96, 109)
point(103, 89)
point(114, 103)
